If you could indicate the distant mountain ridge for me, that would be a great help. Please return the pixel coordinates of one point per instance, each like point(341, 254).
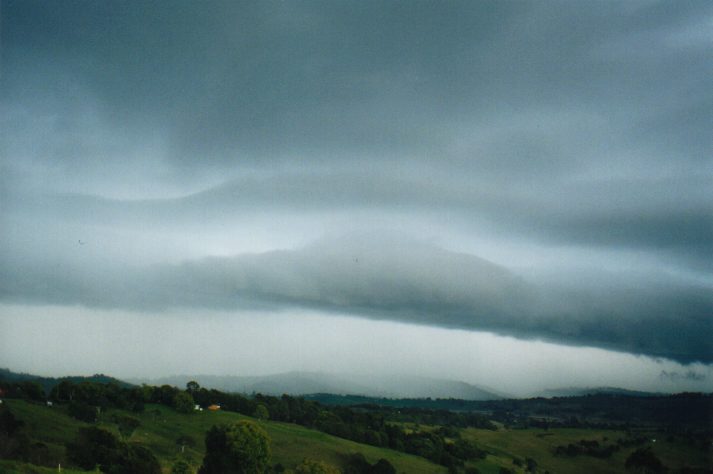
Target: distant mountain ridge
point(319, 383)
point(306, 383)
point(583, 391)
point(48, 383)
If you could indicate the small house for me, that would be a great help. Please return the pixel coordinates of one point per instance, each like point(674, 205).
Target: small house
point(214, 407)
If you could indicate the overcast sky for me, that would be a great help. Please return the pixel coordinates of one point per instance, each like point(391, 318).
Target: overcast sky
point(518, 194)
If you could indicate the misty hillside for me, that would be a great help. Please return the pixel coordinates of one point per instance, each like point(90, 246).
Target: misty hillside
point(582, 391)
point(303, 383)
point(48, 383)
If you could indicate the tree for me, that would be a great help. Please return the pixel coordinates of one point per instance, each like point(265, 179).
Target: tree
point(95, 446)
point(9, 424)
point(63, 391)
point(261, 412)
point(183, 402)
point(192, 387)
point(39, 453)
point(357, 464)
point(164, 394)
point(13, 443)
point(238, 448)
point(32, 390)
point(383, 466)
point(181, 467)
point(83, 412)
point(310, 466)
point(136, 459)
point(127, 425)
point(644, 461)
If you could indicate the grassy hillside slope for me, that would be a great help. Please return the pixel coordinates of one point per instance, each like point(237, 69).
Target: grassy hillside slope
point(161, 427)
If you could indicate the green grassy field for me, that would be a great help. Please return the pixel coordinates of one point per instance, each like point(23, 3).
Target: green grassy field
point(161, 426)
point(538, 444)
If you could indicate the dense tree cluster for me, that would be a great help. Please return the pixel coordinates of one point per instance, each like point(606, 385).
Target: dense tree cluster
point(83, 412)
point(25, 390)
point(644, 461)
point(126, 424)
point(608, 411)
point(238, 448)
point(181, 467)
point(183, 402)
point(442, 412)
point(587, 448)
point(358, 464)
point(680, 412)
point(596, 449)
point(97, 447)
point(99, 395)
point(312, 466)
point(13, 443)
point(440, 417)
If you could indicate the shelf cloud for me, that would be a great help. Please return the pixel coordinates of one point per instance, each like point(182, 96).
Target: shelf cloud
point(541, 171)
point(400, 280)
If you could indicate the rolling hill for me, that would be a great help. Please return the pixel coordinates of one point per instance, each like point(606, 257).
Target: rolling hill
point(160, 427)
point(305, 383)
point(48, 383)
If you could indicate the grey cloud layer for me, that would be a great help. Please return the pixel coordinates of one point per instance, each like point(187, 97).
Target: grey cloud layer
point(559, 124)
point(398, 280)
point(654, 217)
point(321, 81)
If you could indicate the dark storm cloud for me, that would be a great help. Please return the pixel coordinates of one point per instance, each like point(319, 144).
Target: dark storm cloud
point(396, 279)
point(258, 77)
point(248, 81)
point(676, 223)
point(568, 125)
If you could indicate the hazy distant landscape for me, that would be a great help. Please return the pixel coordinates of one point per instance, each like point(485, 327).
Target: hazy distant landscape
point(87, 421)
point(356, 236)
point(305, 383)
